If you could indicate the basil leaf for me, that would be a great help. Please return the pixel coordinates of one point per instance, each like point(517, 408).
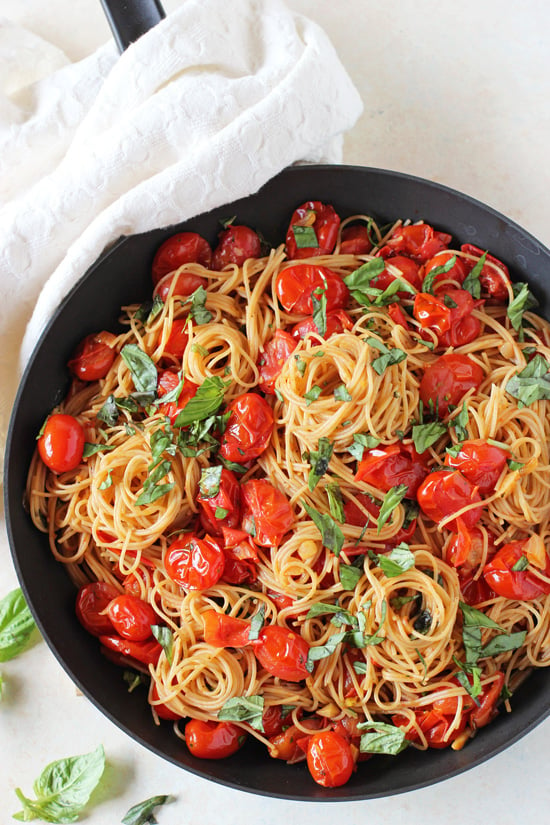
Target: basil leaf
point(220, 512)
point(335, 502)
point(362, 442)
point(198, 311)
point(332, 536)
point(256, 624)
point(532, 383)
point(209, 482)
point(388, 357)
point(473, 687)
point(476, 618)
point(162, 441)
point(382, 738)
point(460, 423)
point(360, 278)
point(424, 435)
point(244, 709)
point(428, 282)
point(521, 564)
point(149, 310)
point(173, 395)
point(109, 412)
point(398, 561)
point(107, 483)
point(341, 393)
point(472, 283)
point(312, 394)
point(350, 576)
point(143, 812)
point(473, 621)
point(144, 371)
point(63, 788)
point(341, 616)
point(502, 643)
point(300, 365)
point(164, 637)
point(16, 624)
point(204, 403)
point(305, 237)
point(360, 668)
point(515, 465)
point(319, 303)
point(319, 460)
point(393, 497)
point(92, 449)
point(323, 651)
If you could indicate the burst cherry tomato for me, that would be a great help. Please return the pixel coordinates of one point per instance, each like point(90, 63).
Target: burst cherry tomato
point(235, 245)
point(185, 283)
point(177, 339)
point(443, 493)
point(355, 240)
point(432, 313)
point(457, 272)
point(226, 503)
point(480, 462)
point(222, 630)
point(131, 617)
point(337, 322)
point(167, 382)
point(319, 217)
point(248, 430)
point(183, 248)
point(398, 316)
point(486, 711)
point(494, 277)
point(91, 606)
point(464, 326)
point(419, 241)
point(447, 380)
point(61, 444)
point(522, 585)
point(93, 357)
point(386, 467)
point(282, 652)
point(466, 547)
point(146, 652)
point(266, 515)
point(275, 719)
point(241, 558)
point(213, 740)
point(329, 759)
point(162, 710)
point(276, 353)
point(435, 726)
point(356, 517)
point(296, 284)
point(405, 268)
point(291, 744)
point(194, 563)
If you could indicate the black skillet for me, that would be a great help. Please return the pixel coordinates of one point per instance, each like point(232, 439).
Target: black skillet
point(123, 276)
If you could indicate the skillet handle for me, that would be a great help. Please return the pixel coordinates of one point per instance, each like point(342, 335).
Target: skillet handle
point(129, 19)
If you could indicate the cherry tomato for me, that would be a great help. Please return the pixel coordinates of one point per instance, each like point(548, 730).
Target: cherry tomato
point(226, 502)
point(222, 630)
point(276, 353)
point(177, 339)
point(132, 617)
point(93, 357)
point(398, 316)
point(236, 244)
point(194, 563)
point(464, 326)
point(494, 277)
point(282, 652)
point(241, 558)
point(420, 241)
point(324, 222)
point(167, 382)
point(434, 725)
point(288, 744)
point(61, 444)
point(522, 585)
point(163, 711)
point(146, 652)
point(329, 759)
point(248, 430)
point(185, 283)
point(355, 516)
point(213, 740)
point(450, 705)
point(387, 467)
point(432, 313)
point(443, 493)
point(474, 591)
point(266, 515)
point(92, 602)
point(486, 711)
point(480, 462)
point(275, 718)
point(407, 270)
point(447, 380)
point(466, 547)
point(337, 322)
point(355, 240)
point(296, 284)
point(457, 272)
point(183, 248)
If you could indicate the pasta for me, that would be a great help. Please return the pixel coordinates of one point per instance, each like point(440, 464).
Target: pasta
point(309, 496)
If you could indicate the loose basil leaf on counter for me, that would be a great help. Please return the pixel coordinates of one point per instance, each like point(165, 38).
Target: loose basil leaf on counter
point(388, 358)
point(143, 812)
point(424, 435)
point(209, 482)
point(319, 460)
point(532, 383)
point(319, 315)
point(305, 237)
point(428, 282)
point(63, 788)
point(398, 561)
point(382, 738)
point(523, 301)
point(164, 637)
point(472, 283)
point(143, 370)
point(204, 403)
point(332, 536)
point(393, 497)
point(247, 709)
point(16, 624)
point(92, 449)
point(362, 442)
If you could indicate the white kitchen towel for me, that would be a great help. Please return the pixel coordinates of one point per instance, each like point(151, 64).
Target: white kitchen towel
point(203, 109)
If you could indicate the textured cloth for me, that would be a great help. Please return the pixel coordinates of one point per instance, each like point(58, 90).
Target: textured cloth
point(203, 109)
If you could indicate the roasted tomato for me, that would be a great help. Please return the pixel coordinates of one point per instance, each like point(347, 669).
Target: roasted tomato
point(241, 557)
point(466, 547)
point(93, 357)
point(266, 512)
point(248, 428)
point(313, 230)
point(486, 710)
point(418, 241)
point(296, 284)
point(146, 652)
point(446, 381)
point(224, 508)
point(494, 277)
point(504, 577)
point(213, 740)
point(432, 313)
point(337, 322)
point(177, 339)
point(162, 710)
point(131, 617)
point(355, 240)
point(92, 602)
point(276, 353)
point(355, 516)
point(275, 719)
point(456, 273)
point(443, 493)
point(194, 563)
point(282, 652)
point(61, 444)
point(435, 726)
point(464, 327)
point(183, 248)
point(387, 467)
point(167, 383)
point(329, 759)
point(184, 284)
point(291, 744)
point(221, 630)
point(236, 244)
point(402, 267)
point(480, 462)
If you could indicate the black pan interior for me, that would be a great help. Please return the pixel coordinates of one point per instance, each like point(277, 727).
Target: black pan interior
point(122, 276)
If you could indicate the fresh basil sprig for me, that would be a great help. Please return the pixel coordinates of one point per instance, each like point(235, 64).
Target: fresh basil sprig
point(16, 625)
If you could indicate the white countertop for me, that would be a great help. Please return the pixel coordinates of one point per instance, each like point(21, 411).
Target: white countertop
point(458, 93)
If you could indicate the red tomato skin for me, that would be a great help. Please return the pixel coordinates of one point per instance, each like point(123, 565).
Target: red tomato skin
point(92, 602)
point(465, 327)
point(61, 444)
point(408, 270)
point(275, 719)
point(222, 630)
point(93, 357)
point(132, 617)
point(465, 548)
point(495, 282)
point(356, 517)
point(386, 467)
point(248, 429)
point(282, 652)
point(241, 558)
point(456, 273)
point(398, 316)
point(443, 493)
point(266, 512)
point(447, 380)
point(419, 241)
point(287, 745)
point(228, 498)
point(325, 225)
point(432, 313)
point(167, 382)
point(193, 563)
point(182, 248)
point(147, 652)
point(355, 240)
point(185, 283)
point(329, 759)
point(177, 339)
point(520, 585)
point(486, 711)
point(337, 322)
point(213, 740)
point(480, 462)
point(162, 710)
point(435, 727)
point(295, 285)
point(276, 353)
point(236, 244)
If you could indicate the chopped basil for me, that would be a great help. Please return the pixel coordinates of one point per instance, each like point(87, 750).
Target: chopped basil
point(161, 441)
point(133, 679)
point(322, 651)
point(359, 284)
point(301, 365)
point(16, 625)
point(204, 403)
point(220, 512)
point(523, 301)
point(382, 738)
point(312, 395)
point(388, 356)
point(319, 460)
point(247, 709)
point(515, 465)
point(335, 502)
point(152, 490)
point(360, 279)
point(107, 483)
point(393, 497)
point(362, 442)
point(199, 349)
point(398, 561)
point(109, 412)
point(532, 383)
point(319, 304)
point(460, 423)
point(424, 435)
point(521, 564)
point(332, 536)
point(148, 311)
point(448, 301)
point(360, 668)
point(305, 237)
point(164, 637)
point(502, 643)
point(350, 576)
point(173, 395)
point(472, 283)
point(92, 449)
point(209, 482)
point(233, 466)
point(143, 812)
point(472, 687)
point(256, 624)
point(198, 311)
point(143, 370)
point(428, 282)
point(473, 620)
point(341, 393)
